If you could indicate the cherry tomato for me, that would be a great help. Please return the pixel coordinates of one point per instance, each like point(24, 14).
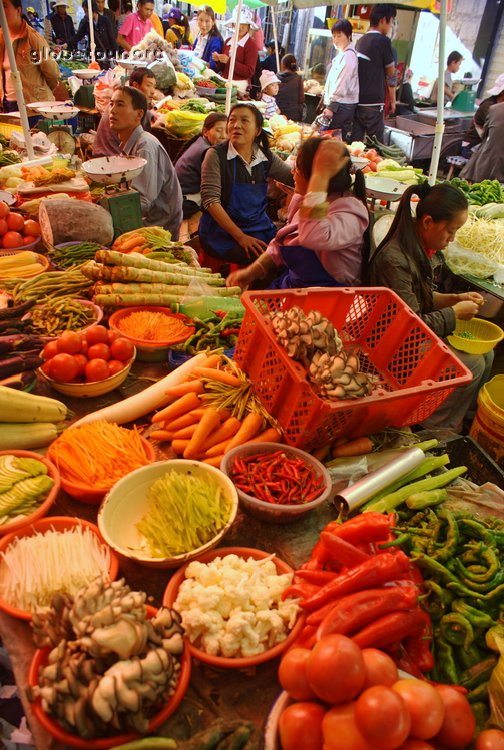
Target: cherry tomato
point(50, 350)
point(46, 367)
point(15, 222)
point(459, 723)
point(335, 669)
point(84, 346)
point(112, 336)
point(28, 239)
point(69, 342)
point(115, 366)
point(123, 349)
point(97, 335)
point(3, 227)
point(340, 731)
point(4, 210)
point(292, 673)
point(424, 705)
point(96, 369)
point(382, 717)
point(99, 351)
point(12, 239)
point(414, 744)
point(64, 368)
point(490, 739)
point(32, 227)
point(380, 668)
point(300, 726)
point(81, 363)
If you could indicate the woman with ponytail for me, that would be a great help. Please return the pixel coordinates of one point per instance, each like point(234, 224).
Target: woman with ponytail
point(405, 262)
point(325, 240)
point(234, 180)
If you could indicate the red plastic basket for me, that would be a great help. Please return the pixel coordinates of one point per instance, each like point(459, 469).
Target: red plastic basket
point(416, 370)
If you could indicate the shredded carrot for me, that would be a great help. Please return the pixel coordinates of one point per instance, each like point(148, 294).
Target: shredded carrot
point(151, 326)
point(98, 454)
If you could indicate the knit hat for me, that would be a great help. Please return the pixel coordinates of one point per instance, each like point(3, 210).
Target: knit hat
point(267, 78)
point(498, 86)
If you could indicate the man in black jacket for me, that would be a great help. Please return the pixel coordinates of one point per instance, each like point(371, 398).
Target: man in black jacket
point(62, 25)
point(103, 34)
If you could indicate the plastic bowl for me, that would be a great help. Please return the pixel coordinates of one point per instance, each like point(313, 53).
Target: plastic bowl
point(271, 512)
point(58, 523)
point(87, 494)
point(126, 503)
point(486, 336)
point(42, 260)
point(223, 662)
point(67, 739)
point(89, 390)
point(44, 506)
point(98, 314)
point(151, 351)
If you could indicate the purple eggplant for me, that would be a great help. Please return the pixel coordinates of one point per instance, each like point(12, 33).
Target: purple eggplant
point(19, 343)
point(20, 362)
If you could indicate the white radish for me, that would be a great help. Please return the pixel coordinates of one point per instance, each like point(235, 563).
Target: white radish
point(146, 401)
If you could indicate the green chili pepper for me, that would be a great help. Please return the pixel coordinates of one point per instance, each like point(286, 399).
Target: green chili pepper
point(452, 537)
point(456, 629)
point(433, 566)
point(446, 661)
point(478, 694)
point(475, 529)
point(491, 572)
point(481, 714)
point(476, 617)
point(470, 657)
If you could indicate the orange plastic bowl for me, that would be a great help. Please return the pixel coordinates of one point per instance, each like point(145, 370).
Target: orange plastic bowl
point(223, 662)
point(151, 351)
point(70, 740)
point(58, 523)
point(86, 493)
point(43, 508)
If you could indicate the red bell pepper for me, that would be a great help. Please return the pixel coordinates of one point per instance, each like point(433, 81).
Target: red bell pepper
point(366, 527)
point(418, 647)
point(353, 612)
point(391, 629)
point(373, 572)
point(342, 551)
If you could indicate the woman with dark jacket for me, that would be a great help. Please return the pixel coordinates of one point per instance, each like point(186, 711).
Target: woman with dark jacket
point(209, 39)
point(290, 98)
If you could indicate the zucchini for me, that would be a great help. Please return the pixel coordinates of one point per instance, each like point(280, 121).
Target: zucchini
point(18, 406)
point(16, 436)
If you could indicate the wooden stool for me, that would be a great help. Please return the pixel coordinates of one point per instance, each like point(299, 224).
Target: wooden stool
point(455, 162)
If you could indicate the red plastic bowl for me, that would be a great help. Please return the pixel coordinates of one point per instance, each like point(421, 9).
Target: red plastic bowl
point(43, 508)
point(58, 523)
point(151, 351)
point(70, 740)
point(224, 662)
point(86, 493)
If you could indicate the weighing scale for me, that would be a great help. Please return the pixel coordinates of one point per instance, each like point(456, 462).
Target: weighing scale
point(60, 135)
point(120, 200)
point(465, 100)
point(84, 96)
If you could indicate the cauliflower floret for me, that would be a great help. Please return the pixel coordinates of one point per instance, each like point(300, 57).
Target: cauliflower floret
point(230, 645)
point(211, 644)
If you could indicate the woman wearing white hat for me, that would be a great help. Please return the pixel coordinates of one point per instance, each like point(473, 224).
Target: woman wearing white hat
point(246, 51)
point(63, 29)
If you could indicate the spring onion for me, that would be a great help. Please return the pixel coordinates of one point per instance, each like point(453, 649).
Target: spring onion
point(389, 502)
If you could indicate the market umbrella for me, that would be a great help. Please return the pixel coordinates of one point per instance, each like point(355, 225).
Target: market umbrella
point(16, 81)
point(92, 45)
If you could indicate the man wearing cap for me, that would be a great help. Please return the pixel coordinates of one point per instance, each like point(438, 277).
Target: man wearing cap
point(495, 95)
point(136, 25)
point(62, 25)
point(246, 50)
point(269, 89)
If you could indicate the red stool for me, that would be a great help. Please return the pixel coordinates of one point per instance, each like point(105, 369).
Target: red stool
point(215, 264)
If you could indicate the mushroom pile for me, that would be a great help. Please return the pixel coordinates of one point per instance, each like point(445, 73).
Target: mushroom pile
point(111, 668)
point(338, 376)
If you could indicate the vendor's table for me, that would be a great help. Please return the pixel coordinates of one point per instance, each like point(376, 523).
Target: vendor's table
point(414, 134)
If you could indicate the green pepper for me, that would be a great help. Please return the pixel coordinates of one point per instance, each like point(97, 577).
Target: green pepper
point(491, 571)
point(478, 673)
point(446, 661)
point(452, 536)
point(479, 693)
point(456, 629)
point(481, 714)
point(469, 658)
point(443, 597)
point(475, 529)
point(476, 617)
point(434, 567)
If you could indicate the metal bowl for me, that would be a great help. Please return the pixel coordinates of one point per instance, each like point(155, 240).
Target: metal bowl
point(109, 170)
point(86, 74)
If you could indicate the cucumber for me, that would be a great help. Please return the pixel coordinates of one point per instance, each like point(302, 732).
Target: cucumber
point(18, 406)
point(17, 436)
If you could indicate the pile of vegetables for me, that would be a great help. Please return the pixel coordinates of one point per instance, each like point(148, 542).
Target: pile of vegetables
point(158, 326)
point(8, 156)
point(35, 568)
point(147, 240)
point(21, 265)
point(48, 285)
point(41, 177)
point(19, 350)
point(216, 332)
point(15, 233)
point(480, 193)
point(184, 125)
point(484, 236)
point(73, 254)
point(388, 152)
point(10, 178)
point(287, 135)
point(24, 484)
point(29, 421)
point(195, 105)
point(393, 170)
point(110, 665)
point(488, 211)
point(60, 314)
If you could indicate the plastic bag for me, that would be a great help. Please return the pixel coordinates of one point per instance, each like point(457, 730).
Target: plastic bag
point(462, 261)
point(164, 71)
point(184, 124)
point(104, 90)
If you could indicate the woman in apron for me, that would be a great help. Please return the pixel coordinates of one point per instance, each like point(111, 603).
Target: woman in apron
point(325, 240)
point(234, 180)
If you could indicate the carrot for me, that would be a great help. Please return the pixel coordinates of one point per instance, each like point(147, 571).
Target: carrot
point(183, 405)
point(357, 447)
point(185, 421)
point(199, 412)
point(268, 436)
point(185, 433)
point(217, 450)
point(221, 376)
point(135, 241)
point(249, 429)
point(179, 446)
point(161, 436)
point(190, 386)
point(226, 431)
point(213, 461)
point(207, 424)
point(211, 361)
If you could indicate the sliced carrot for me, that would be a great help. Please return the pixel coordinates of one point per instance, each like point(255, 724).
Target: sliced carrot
point(221, 376)
point(185, 433)
point(190, 386)
point(213, 461)
point(179, 446)
point(357, 447)
point(207, 424)
point(226, 431)
point(212, 361)
point(268, 436)
point(161, 436)
point(249, 429)
point(183, 405)
point(183, 421)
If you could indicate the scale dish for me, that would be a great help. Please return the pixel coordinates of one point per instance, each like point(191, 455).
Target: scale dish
point(58, 112)
point(384, 189)
point(86, 73)
point(111, 170)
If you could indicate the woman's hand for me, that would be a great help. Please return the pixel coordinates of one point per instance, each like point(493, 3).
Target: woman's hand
point(470, 297)
point(252, 246)
point(242, 278)
point(465, 310)
point(220, 58)
point(330, 158)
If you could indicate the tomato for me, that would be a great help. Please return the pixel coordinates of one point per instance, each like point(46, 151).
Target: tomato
point(300, 726)
point(28, 239)
point(459, 723)
point(4, 210)
point(490, 739)
point(335, 669)
point(84, 346)
point(380, 668)
point(12, 239)
point(292, 672)
point(382, 717)
point(46, 367)
point(414, 744)
point(32, 227)
point(81, 363)
point(69, 342)
point(50, 350)
point(99, 351)
point(97, 335)
point(115, 366)
point(340, 731)
point(425, 706)
point(3, 227)
point(15, 222)
point(96, 369)
point(64, 368)
point(112, 336)
point(123, 349)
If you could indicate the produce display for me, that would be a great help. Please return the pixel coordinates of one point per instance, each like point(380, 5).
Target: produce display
point(482, 235)
point(73, 254)
point(60, 314)
point(219, 331)
point(480, 193)
point(47, 285)
point(8, 156)
point(24, 484)
point(19, 349)
point(30, 421)
point(41, 177)
point(152, 326)
point(16, 232)
point(244, 613)
point(150, 239)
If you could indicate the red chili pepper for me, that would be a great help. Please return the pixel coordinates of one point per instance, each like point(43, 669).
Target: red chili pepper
point(315, 618)
point(306, 637)
point(300, 590)
point(366, 527)
point(390, 629)
point(342, 551)
point(320, 577)
point(373, 572)
point(320, 553)
point(404, 662)
point(418, 647)
point(353, 612)
point(230, 332)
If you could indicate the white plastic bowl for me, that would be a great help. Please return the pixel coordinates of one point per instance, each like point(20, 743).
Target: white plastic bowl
point(383, 188)
point(59, 112)
point(109, 170)
point(86, 73)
